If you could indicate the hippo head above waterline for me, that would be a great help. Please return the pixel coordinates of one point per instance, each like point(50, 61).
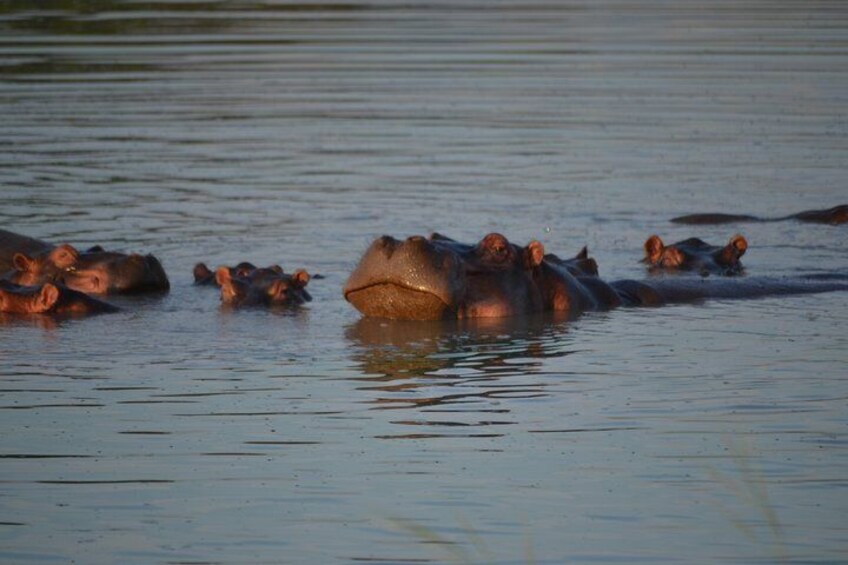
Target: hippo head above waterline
point(437, 277)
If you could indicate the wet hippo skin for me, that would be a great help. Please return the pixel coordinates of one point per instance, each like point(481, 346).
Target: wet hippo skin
point(835, 215)
point(49, 298)
point(268, 286)
point(28, 261)
point(423, 278)
point(696, 255)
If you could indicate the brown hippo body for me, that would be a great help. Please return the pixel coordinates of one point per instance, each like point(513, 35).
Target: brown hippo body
point(696, 255)
point(834, 216)
point(49, 298)
point(28, 261)
point(437, 278)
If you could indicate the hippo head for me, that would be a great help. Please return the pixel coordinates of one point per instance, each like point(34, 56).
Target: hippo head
point(48, 266)
point(694, 254)
point(268, 286)
point(48, 298)
point(431, 278)
point(94, 271)
point(102, 272)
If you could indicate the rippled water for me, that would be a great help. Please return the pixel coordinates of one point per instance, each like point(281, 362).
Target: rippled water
point(177, 432)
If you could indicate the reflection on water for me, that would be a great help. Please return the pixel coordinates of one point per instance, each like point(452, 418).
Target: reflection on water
point(178, 431)
point(469, 365)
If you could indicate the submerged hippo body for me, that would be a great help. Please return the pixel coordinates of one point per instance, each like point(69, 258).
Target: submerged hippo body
point(438, 278)
point(696, 255)
point(29, 261)
point(835, 215)
point(49, 298)
point(268, 286)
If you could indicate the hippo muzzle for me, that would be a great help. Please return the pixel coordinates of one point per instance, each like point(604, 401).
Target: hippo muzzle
point(416, 279)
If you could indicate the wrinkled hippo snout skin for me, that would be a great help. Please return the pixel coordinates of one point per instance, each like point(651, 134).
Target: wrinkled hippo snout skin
point(415, 278)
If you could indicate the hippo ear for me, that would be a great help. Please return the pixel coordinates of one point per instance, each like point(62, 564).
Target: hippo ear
point(64, 256)
point(300, 278)
point(534, 254)
point(277, 269)
point(436, 236)
point(222, 276)
point(733, 250)
point(228, 290)
point(584, 253)
point(47, 297)
point(277, 291)
point(95, 249)
point(201, 272)
point(653, 249)
point(739, 243)
point(23, 263)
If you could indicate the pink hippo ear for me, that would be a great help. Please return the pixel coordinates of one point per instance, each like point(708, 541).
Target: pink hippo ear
point(222, 275)
point(739, 243)
point(23, 263)
point(534, 254)
point(733, 250)
point(300, 278)
point(653, 249)
point(225, 281)
point(47, 298)
point(277, 291)
point(64, 256)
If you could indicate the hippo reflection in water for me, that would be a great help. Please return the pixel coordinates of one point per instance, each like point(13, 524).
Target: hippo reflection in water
point(28, 261)
point(694, 254)
point(835, 215)
point(432, 278)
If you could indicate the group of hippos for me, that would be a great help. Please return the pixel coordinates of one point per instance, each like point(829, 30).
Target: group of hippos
point(419, 278)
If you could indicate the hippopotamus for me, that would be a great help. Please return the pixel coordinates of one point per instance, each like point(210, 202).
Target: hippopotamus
point(695, 254)
point(49, 298)
point(268, 286)
point(437, 277)
point(204, 276)
point(835, 215)
point(29, 261)
point(423, 278)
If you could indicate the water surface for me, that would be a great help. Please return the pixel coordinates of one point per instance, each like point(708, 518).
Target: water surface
point(178, 432)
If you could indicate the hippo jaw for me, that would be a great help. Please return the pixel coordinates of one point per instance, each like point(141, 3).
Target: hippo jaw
point(415, 279)
point(398, 301)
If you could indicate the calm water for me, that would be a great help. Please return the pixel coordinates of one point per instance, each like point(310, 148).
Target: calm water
point(176, 432)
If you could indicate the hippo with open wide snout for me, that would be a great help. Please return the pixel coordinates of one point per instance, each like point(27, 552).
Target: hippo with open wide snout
point(49, 298)
point(434, 278)
point(29, 261)
point(694, 254)
point(835, 215)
